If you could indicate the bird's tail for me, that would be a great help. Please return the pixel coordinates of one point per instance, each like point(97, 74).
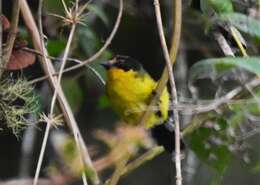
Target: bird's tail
point(165, 136)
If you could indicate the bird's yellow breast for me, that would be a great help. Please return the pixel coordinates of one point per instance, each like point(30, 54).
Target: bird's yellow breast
point(129, 93)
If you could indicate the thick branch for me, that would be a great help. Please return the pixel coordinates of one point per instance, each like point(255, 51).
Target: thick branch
point(49, 69)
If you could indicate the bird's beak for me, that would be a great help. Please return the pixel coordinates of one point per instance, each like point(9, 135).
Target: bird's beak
point(108, 64)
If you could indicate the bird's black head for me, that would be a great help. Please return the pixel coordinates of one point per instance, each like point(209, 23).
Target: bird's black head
point(122, 62)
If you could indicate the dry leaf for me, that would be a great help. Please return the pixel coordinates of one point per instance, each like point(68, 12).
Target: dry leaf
point(20, 59)
point(5, 22)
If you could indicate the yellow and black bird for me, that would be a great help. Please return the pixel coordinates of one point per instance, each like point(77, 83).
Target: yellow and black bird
point(129, 89)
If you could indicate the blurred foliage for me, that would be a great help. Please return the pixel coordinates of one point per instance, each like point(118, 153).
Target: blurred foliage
point(211, 143)
point(242, 22)
point(55, 47)
point(73, 93)
point(220, 138)
point(216, 67)
point(219, 6)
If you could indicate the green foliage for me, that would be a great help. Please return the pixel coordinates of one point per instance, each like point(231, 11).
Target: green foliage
point(216, 67)
point(73, 93)
point(218, 6)
point(221, 6)
point(55, 47)
point(99, 12)
point(242, 22)
point(90, 43)
point(211, 144)
point(17, 101)
point(216, 141)
point(55, 6)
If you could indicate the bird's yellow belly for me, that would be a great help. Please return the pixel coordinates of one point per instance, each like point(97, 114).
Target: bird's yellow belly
point(129, 96)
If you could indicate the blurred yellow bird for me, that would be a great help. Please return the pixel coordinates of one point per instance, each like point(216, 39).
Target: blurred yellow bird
point(129, 89)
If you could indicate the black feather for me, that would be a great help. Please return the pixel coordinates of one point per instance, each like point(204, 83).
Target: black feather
point(165, 137)
point(127, 63)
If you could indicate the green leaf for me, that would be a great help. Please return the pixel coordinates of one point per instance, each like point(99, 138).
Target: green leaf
point(210, 144)
point(55, 47)
point(90, 43)
point(243, 23)
point(222, 6)
point(55, 6)
point(73, 93)
point(216, 67)
point(219, 6)
point(99, 12)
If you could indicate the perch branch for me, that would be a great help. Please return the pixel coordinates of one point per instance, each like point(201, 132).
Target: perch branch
point(173, 91)
point(175, 42)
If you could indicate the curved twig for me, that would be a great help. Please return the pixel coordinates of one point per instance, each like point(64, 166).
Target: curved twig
point(107, 43)
point(173, 90)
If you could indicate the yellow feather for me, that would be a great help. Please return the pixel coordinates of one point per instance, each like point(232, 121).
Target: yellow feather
point(129, 93)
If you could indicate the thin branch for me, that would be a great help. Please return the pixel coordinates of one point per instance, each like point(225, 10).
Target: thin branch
point(222, 101)
point(45, 77)
point(7, 51)
point(47, 130)
point(173, 89)
point(239, 44)
point(49, 69)
point(149, 155)
point(222, 42)
point(48, 127)
point(175, 42)
point(177, 23)
point(40, 159)
point(118, 171)
point(107, 43)
point(63, 63)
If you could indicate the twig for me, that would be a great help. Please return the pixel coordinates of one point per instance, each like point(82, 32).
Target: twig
point(48, 127)
point(118, 171)
point(53, 102)
point(239, 44)
point(49, 69)
point(45, 77)
point(222, 42)
point(177, 20)
point(149, 155)
point(40, 159)
point(107, 43)
point(173, 90)
point(7, 51)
